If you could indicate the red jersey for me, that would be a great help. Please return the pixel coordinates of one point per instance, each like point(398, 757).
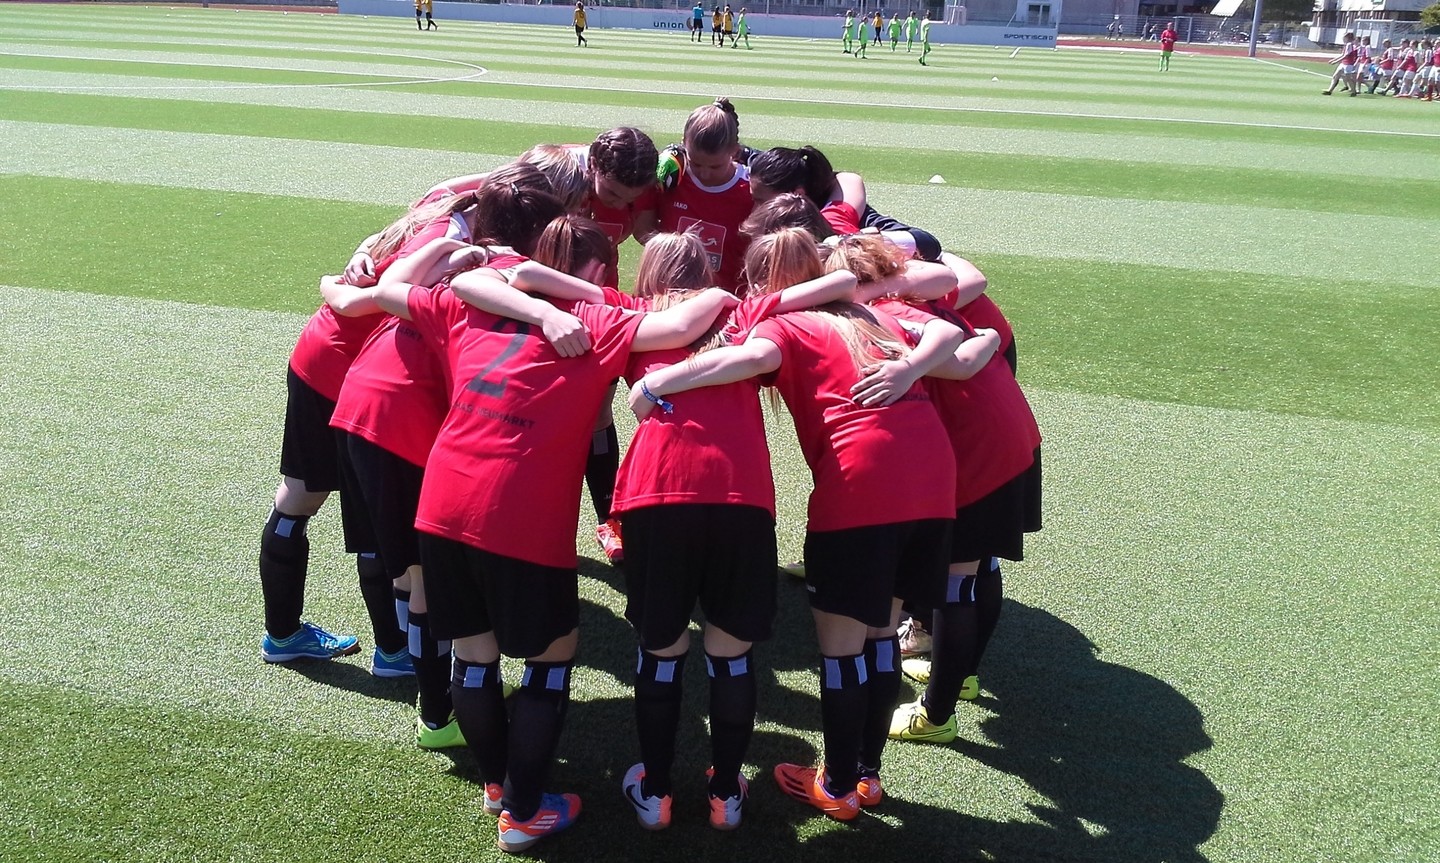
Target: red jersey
point(1407, 62)
point(1387, 59)
point(841, 217)
point(327, 346)
point(1167, 39)
point(870, 465)
point(714, 214)
point(507, 466)
point(397, 390)
point(712, 449)
point(617, 224)
point(992, 429)
point(1348, 55)
point(982, 312)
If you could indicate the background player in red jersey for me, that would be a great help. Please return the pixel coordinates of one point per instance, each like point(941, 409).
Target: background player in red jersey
point(709, 194)
point(877, 529)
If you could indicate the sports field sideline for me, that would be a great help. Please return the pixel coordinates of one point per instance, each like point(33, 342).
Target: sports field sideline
point(1223, 288)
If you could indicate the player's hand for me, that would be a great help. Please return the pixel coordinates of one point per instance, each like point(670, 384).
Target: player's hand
point(727, 299)
point(883, 383)
point(566, 333)
point(360, 272)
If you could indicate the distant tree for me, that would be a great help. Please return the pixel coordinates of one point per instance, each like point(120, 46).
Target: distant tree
point(1430, 15)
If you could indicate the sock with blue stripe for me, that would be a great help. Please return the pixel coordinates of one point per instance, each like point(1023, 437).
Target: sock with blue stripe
point(882, 664)
point(284, 559)
point(378, 591)
point(540, 705)
point(432, 671)
point(480, 708)
point(844, 694)
point(658, 682)
point(732, 718)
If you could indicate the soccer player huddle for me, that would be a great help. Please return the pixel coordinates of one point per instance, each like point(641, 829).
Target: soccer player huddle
point(1408, 70)
point(455, 388)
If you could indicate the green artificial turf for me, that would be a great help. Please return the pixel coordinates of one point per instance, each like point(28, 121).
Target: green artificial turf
point(1219, 648)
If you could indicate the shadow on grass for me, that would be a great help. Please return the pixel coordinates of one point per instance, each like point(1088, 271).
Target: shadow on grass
point(1102, 745)
point(355, 678)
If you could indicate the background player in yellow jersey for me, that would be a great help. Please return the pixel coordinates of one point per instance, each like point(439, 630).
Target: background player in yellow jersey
point(580, 25)
point(717, 24)
point(879, 24)
point(428, 7)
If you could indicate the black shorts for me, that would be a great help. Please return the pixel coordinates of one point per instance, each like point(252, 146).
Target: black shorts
point(308, 451)
point(389, 488)
point(855, 572)
point(696, 25)
point(722, 555)
point(996, 524)
point(729, 32)
point(355, 523)
point(1011, 357)
point(471, 592)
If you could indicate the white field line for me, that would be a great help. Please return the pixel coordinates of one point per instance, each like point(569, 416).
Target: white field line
point(391, 81)
point(1291, 68)
point(767, 95)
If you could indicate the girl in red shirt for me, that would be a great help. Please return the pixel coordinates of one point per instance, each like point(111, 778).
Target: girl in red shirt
point(839, 195)
point(311, 464)
point(497, 512)
point(698, 504)
point(878, 530)
point(391, 407)
point(710, 197)
point(996, 444)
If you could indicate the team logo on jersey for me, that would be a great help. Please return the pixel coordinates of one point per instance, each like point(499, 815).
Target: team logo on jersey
point(613, 230)
point(712, 237)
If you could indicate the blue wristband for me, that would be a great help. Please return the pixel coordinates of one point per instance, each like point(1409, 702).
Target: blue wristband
point(665, 406)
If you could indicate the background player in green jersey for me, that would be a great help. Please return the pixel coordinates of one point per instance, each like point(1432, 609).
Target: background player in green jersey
point(912, 27)
point(894, 28)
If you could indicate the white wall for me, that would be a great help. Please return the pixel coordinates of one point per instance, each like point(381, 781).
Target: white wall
point(678, 20)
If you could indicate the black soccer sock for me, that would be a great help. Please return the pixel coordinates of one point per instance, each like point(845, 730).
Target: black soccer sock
point(479, 699)
point(402, 607)
point(378, 591)
point(600, 470)
point(989, 597)
point(843, 695)
point(432, 671)
point(952, 648)
point(882, 665)
point(284, 559)
point(657, 715)
point(539, 714)
point(732, 718)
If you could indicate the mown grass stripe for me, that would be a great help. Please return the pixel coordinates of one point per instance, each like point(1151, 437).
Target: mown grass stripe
point(1109, 169)
point(1216, 339)
point(975, 222)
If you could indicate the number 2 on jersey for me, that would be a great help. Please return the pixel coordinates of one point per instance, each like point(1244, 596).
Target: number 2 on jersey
point(494, 387)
